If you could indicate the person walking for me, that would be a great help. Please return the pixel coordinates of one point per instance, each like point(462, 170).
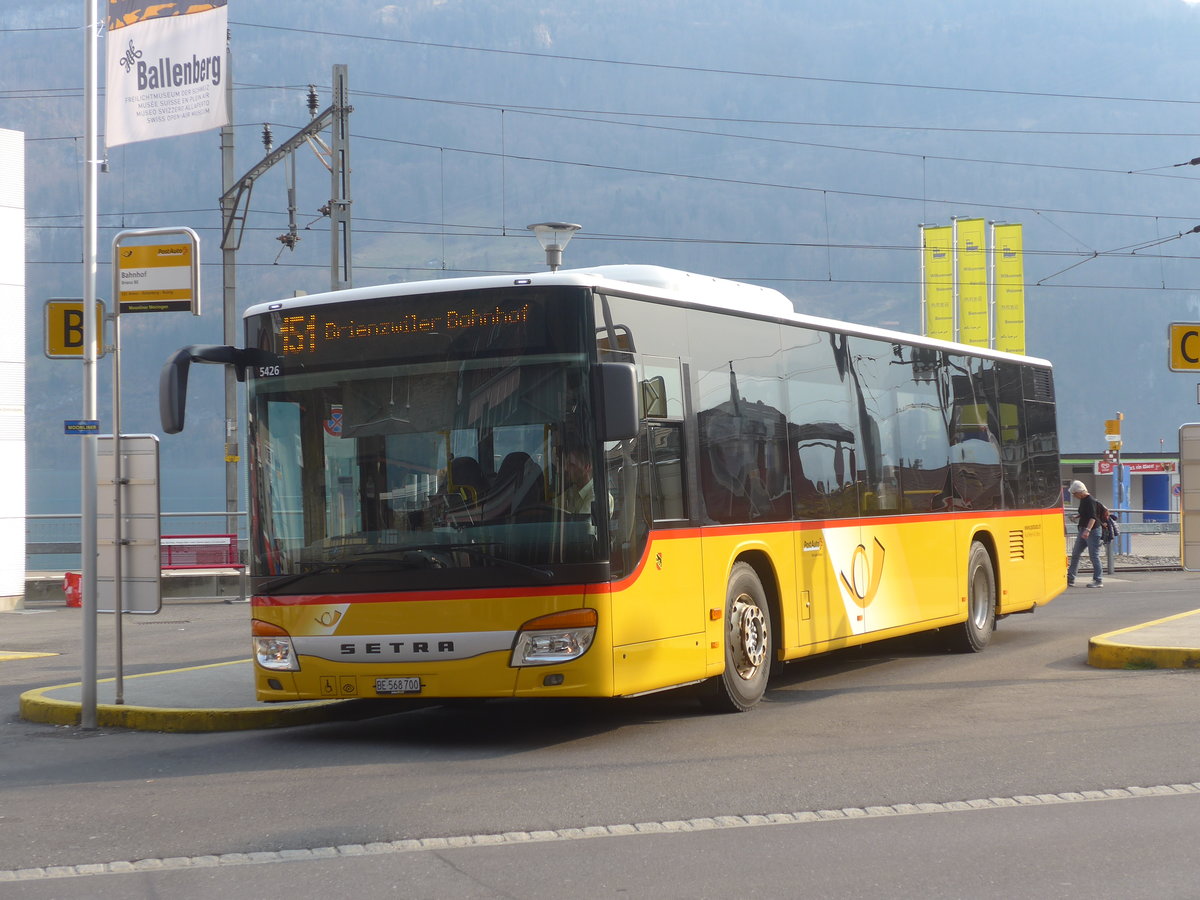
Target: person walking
point(1088, 536)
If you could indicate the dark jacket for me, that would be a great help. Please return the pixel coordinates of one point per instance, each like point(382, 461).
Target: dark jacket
point(1087, 512)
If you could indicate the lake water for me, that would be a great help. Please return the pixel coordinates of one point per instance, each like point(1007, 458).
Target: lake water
point(57, 492)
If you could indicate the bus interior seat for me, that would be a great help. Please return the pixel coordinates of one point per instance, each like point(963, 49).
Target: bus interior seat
point(519, 484)
point(466, 476)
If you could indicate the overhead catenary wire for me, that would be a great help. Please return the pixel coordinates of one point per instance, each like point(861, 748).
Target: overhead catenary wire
point(715, 71)
point(825, 191)
point(741, 73)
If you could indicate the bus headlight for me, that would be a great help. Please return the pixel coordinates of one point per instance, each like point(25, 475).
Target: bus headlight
point(273, 647)
point(556, 638)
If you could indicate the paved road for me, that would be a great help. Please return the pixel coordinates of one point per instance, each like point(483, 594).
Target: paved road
point(897, 726)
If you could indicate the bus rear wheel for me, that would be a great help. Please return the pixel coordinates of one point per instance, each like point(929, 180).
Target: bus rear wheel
point(976, 633)
point(749, 645)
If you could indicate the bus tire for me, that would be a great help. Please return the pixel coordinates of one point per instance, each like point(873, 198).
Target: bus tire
point(749, 645)
point(976, 633)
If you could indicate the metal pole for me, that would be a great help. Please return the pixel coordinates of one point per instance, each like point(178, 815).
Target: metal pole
point(91, 24)
point(954, 320)
point(118, 487)
point(340, 267)
point(991, 285)
point(921, 281)
point(229, 306)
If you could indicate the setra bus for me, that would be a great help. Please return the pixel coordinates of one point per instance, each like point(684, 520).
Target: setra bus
point(620, 480)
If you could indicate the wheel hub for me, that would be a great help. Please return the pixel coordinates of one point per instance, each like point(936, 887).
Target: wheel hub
point(748, 633)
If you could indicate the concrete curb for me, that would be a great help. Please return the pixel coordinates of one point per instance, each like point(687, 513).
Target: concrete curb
point(38, 706)
point(1139, 647)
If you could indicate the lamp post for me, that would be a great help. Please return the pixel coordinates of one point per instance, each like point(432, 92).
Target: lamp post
point(554, 237)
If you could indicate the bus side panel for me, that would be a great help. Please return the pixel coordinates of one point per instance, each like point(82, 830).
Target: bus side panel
point(1028, 553)
point(893, 574)
point(639, 668)
point(821, 615)
point(921, 574)
point(659, 616)
point(664, 596)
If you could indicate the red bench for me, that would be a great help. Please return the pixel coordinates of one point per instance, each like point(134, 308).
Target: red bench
point(199, 551)
point(203, 551)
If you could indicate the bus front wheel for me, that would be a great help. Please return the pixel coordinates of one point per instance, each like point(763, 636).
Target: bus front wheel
point(748, 645)
point(976, 633)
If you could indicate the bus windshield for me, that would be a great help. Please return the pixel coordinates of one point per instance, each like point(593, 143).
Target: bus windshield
point(433, 473)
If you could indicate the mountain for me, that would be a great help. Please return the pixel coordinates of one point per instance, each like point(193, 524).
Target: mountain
point(786, 143)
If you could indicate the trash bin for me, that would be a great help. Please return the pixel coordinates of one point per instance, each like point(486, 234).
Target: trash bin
point(73, 588)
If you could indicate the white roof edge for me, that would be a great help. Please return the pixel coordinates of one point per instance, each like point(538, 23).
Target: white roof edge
point(674, 284)
point(884, 334)
point(690, 287)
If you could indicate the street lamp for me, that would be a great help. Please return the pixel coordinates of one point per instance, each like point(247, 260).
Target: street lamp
point(554, 237)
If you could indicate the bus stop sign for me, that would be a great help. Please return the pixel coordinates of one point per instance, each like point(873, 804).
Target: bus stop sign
point(64, 329)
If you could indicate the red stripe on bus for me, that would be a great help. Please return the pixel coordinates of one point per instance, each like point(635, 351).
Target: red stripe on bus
point(425, 596)
point(662, 536)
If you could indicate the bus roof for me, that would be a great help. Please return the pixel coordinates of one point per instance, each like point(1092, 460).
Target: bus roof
point(674, 284)
point(685, 288)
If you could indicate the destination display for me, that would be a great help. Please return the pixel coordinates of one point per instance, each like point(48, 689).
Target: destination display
point(426, 326)
point(309, 332)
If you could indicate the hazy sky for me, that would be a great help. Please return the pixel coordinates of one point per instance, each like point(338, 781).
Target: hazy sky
point(792, 143)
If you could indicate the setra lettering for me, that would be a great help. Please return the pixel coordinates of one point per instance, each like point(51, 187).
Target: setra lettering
point(378, 648)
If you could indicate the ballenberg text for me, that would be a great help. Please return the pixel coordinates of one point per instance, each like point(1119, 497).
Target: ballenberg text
point(172, 74)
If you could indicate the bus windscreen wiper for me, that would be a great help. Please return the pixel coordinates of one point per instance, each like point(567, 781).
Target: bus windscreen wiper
point(335, 566)
point(476, 550)
point(416, 556)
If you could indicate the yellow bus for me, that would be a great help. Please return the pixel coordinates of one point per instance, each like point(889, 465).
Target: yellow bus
point(621, 480)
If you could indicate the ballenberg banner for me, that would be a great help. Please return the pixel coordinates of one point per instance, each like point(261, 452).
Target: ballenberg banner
point(971, 277)
point(938, 268)
point(965, 299)
point(165, 69)
point(1008, 254)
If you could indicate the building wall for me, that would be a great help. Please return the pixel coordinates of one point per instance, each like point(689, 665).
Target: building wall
point(1102, 486)
point(12, 366)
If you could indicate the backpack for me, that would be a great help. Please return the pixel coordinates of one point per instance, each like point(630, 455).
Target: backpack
point(1108, 522)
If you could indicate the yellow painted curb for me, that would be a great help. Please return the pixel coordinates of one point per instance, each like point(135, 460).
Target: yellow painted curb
point(22, 654)
point(37, 707)
point(1107, 651)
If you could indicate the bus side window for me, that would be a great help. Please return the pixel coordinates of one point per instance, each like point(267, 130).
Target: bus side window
point(662, 387)
point(664, 481)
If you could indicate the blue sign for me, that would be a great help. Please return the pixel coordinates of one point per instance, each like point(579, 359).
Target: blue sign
point(81, 426)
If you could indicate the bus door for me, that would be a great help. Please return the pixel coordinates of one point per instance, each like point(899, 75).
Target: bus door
point(657, 608)
point(908, 541)
point(825, 496)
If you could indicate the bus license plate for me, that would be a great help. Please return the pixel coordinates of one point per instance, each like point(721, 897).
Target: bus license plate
point(397, 685)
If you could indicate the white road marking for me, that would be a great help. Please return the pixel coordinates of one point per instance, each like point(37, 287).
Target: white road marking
point(416, 845)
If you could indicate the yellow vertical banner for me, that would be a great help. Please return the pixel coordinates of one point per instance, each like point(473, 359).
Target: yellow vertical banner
point(938, 287)
point(1009, 260)
point(970, 259)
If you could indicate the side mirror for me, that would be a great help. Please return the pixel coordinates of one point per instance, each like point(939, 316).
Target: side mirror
point(618, 401)
point(173, 379)
point(172, 391)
